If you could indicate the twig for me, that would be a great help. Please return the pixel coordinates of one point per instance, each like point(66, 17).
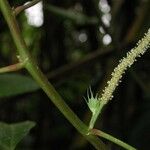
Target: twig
point(69, 68)
point(112, 139)
point(19, 9)
point(12, 68)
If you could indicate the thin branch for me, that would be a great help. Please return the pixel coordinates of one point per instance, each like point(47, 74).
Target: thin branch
point(14, 67)
point(112, 139)
point(11, 68)
point(75, 66)
point(21, 8)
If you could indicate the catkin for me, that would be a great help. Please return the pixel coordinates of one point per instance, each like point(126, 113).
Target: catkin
point(126, 62)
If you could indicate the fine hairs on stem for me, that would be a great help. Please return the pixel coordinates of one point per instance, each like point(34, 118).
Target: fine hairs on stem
point(116, 76)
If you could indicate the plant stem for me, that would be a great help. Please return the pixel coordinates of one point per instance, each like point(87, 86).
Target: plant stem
point(12, 68)
point(112, 139)
point(19, 9)
point(94, 117)
point(42, 80)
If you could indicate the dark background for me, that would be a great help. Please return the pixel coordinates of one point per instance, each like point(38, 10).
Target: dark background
point(73, 63)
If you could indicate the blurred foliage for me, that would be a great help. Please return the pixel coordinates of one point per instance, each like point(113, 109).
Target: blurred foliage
point(11, 134)
point(14, 84)
point(71, 51)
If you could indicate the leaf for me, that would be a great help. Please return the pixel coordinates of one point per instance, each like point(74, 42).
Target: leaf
point(15, 84)
point(12, 134)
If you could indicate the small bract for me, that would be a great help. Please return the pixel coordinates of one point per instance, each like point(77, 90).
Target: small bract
point(92, 102)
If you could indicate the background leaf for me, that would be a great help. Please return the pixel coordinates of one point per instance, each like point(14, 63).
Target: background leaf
point(11, 134)
point(14, 84)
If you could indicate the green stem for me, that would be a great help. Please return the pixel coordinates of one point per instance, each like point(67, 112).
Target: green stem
point(95, 116)
point(112, 139)
point(12, 68)
point(42, 80)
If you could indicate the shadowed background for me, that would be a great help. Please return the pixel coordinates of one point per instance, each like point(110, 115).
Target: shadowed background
point(77, 44)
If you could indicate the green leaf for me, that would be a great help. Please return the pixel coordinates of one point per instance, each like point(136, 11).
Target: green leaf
point(12, 134)
point(15, 84)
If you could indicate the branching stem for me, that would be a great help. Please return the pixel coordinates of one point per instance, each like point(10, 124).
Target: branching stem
point(112, 139)
point(43, 82)
point(11, 68)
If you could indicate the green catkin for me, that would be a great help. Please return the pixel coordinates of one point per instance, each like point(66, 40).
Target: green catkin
point(126, 62)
